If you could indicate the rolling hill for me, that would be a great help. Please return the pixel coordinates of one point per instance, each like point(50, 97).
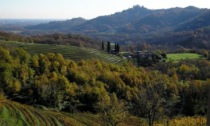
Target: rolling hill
point(71, 52)
point(136, 18)
point(59, 25)
point(138, 24)
point(99, 24)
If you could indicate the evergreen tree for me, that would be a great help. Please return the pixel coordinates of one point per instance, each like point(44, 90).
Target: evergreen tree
point(102, 46)
point(108, 47)
point(117, 48)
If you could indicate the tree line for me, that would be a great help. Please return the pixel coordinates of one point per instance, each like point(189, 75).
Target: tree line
point(56, 38)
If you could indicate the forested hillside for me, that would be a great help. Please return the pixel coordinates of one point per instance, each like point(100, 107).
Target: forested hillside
point(114, 92)
point(137, 19)
point(188, 27)
point(59, 25)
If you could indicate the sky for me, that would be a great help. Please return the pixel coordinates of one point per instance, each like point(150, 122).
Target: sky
point(88, 9)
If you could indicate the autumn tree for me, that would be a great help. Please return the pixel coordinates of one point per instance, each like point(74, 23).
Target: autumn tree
point(114, 113)
point(155, 96)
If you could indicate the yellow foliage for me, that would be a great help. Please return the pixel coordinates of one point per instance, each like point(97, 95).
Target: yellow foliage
point(184, 121)
point(17, 86)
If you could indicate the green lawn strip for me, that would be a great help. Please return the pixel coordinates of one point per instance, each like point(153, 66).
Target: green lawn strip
point(182, 56)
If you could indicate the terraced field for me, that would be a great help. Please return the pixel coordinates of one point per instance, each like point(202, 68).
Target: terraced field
point(15, 114)
point(71, 52)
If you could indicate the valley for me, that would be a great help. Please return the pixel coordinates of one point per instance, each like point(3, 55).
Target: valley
point(137, 67)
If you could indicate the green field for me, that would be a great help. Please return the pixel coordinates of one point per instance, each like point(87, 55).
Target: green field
point(71, 52)
point(182, 56)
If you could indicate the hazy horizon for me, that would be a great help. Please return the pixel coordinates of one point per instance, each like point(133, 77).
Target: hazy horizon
point(88, 9)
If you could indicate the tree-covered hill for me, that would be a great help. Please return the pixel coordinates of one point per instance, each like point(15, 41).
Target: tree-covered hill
point(134, 26)
point(164, 19)
point(136, 19)
point(114, 92)
point(141, 25)
point(59, 25)
point(201, 21)
point(99, 24)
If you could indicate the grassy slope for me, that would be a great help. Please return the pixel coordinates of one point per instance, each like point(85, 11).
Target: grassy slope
point(181, 56)
point(70, 52)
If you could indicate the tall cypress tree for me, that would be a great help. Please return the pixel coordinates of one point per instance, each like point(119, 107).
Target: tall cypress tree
point(108, 47)
point(102, 46)
point(117, 48)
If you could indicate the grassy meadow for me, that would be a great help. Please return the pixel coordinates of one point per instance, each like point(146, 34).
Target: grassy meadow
point(182, 56)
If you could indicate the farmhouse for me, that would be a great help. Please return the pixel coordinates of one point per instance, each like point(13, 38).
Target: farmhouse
point(145, 58)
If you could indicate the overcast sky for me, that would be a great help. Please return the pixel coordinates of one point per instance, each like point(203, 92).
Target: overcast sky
point(67, 9)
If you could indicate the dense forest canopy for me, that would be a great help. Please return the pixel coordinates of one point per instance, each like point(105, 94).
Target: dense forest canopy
point(167, 89)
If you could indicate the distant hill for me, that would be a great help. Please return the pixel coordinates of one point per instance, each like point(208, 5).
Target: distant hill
point(201, 21)
point(112, 23)
point(59, 25)
point(137, 19)
point(165, 20)
point(137, 25)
